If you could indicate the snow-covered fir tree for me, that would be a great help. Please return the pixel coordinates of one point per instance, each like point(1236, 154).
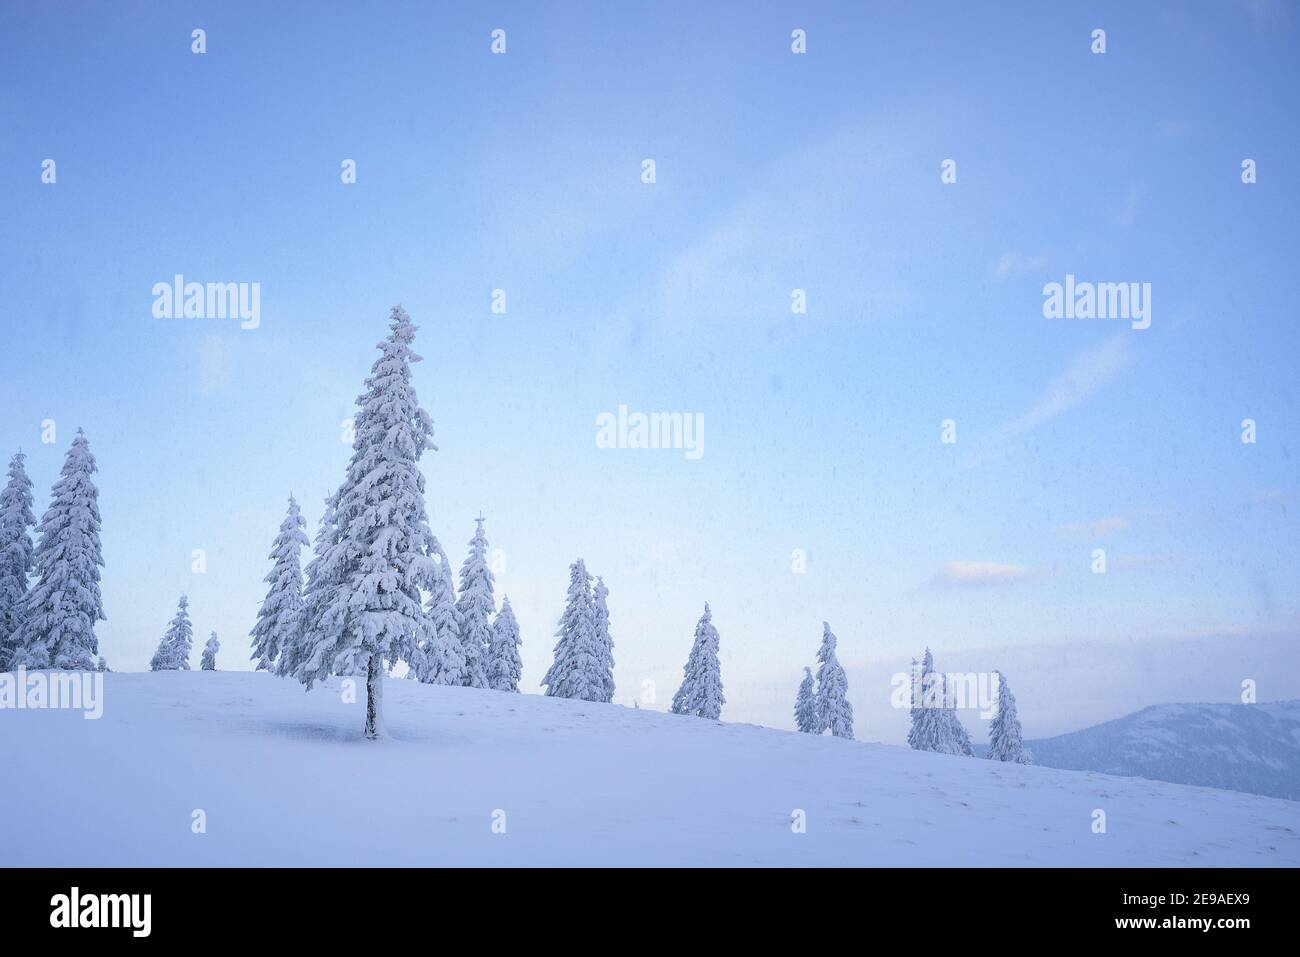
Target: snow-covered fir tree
point(834, 712)
point(576, 670)
point(60, 611)
point(209, 660)
point(700, 693)
point(805, 705)
point(935, 725)
point(604, 641)
point(439, 659)
point(476, 606)
point(280, 617)
point(368, 608)
point(16, 554)
point(1005, 742)
point(957, 733)
point(929, 730)
point(316, 588)
point(173, 652)
point(504, 664)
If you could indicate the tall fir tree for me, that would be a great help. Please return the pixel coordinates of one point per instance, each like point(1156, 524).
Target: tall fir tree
point(60, 611)
point(280, 617)
point(476, 606)
point(173, 652)
point(504, 664)
point(1005, 741)
point(834, 712)
point(209, 661)
point(604, 641)
point(805, 706)
point(700, 693)
point(378, 558)
point(576, 670)
point(17, 552)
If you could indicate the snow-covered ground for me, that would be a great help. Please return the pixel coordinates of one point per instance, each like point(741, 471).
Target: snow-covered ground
point(283, 777)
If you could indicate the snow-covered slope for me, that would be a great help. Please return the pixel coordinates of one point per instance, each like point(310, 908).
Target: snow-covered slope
point(284, 778)
point(1243, 747)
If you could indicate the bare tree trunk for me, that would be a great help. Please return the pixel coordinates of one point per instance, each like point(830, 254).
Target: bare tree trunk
point(375, 698)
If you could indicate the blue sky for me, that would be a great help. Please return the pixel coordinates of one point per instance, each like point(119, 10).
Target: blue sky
point(774, 172)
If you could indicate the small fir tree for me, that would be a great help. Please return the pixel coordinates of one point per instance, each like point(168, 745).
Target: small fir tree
point(209, 660)
point(805, 705)
point(700, 693)
point(834, 712)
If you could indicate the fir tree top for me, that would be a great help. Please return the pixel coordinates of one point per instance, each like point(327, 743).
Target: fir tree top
point(476, 577)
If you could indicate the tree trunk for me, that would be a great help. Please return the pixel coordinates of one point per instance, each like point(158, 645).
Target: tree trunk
point(375, 698)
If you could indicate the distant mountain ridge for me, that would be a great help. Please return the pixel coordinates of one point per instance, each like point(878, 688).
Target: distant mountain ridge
point(1239, 747)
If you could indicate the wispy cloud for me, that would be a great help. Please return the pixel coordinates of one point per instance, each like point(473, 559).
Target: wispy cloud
point(550, 212)
point(962, 574)
point(1271, 497)
point(1087, 372)
point(1143, 561)
point(1013, 262)
point(789, 230)
point(1174, 129)
point(1098, 528)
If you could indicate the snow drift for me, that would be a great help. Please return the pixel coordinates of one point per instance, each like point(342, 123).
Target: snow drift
point(282, 777)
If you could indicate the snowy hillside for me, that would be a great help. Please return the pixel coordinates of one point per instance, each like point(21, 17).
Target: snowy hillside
point(284, 777)
point(1242, 747)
